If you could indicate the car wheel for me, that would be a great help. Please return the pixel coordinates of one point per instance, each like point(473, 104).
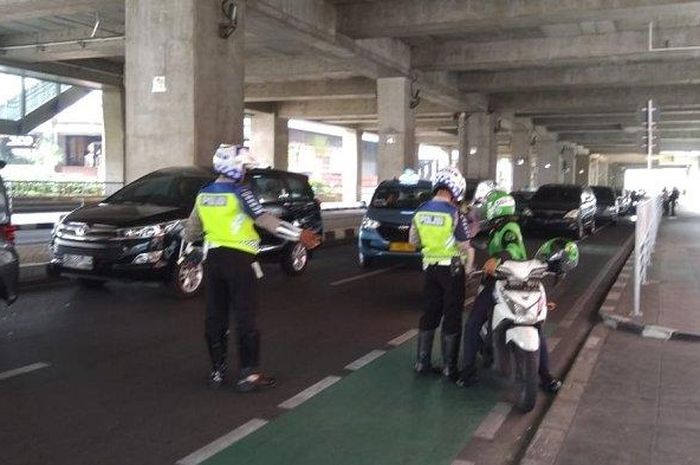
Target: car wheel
point(295, 259)
point(187, 280)
point(364, 261)
point(90, 283)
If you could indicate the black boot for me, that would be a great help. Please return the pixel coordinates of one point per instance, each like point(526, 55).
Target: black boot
point(218, 349)
point(249, 351)
point(468, 376)
point(424, 363)
point(450, 355)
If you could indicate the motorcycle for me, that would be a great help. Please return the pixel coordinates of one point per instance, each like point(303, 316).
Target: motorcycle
point(511, 337)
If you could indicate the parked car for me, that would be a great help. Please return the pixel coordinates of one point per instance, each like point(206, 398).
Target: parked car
point(385, 226)
point(607, 205)
point(562, 208)
point(9, 261)
point(135, 233)
point(522, 201)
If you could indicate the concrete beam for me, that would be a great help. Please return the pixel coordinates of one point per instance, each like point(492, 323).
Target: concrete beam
point(344, 110)
point(582, 49)
point(299, 68)
point(598, 100)
point(407, 18)
point(67, 73)
point(18, 10)
point(354, 88)
point(602, 75)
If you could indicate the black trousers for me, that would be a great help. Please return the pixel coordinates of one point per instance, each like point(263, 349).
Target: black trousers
point(480, 314)
point(232, 289)
point(444, 300)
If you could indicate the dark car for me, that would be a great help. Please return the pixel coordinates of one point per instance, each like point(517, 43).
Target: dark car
point(522, 201)
point(385, 226)
point(607, 204)
point(562, 208)
point(135, 233)
point(9, 262)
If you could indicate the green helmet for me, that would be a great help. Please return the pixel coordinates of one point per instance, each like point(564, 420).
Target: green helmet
point(561, 254)
point(498, 204)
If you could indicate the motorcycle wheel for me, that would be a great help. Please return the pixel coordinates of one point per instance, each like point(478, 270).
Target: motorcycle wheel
point(526, 376)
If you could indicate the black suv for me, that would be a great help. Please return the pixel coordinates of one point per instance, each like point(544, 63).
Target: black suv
point(9, 262)
point(562, 207)
point(135, 233)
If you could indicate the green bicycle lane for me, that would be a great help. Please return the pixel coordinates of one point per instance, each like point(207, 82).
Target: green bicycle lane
point(382, 414)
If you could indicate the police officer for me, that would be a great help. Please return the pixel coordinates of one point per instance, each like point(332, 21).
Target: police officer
point(439, 230)
point(226, 213)
point(506, 243)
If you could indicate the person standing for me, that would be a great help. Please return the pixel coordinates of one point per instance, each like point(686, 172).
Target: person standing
point(226, 213)
point(673, 199)
point(439, 231)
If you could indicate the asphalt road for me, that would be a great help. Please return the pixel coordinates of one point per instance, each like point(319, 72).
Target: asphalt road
point(124, 381)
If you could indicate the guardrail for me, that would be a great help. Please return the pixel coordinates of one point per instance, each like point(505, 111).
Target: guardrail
point(647, 225)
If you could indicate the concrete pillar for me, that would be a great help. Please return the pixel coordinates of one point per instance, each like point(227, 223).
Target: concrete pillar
point(477, 145)
point(269, 140)
point(112, 166)
point(520, 149)
point(184, 83)
point(360, 160)
point(397, 146)
point(582, 169)
point(351, 161)
point(568, 164)
point(548, 161)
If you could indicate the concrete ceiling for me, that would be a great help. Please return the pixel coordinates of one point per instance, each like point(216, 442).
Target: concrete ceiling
point(579, 68)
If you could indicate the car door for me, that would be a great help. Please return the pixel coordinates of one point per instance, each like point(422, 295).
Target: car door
point(9, 262)
point(300, 202)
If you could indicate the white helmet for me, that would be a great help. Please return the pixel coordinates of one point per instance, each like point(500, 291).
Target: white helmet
point(451, 179)
point(231, 161)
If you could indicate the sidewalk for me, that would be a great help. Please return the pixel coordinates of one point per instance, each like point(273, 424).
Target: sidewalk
point(631, 399)
point(671, 299)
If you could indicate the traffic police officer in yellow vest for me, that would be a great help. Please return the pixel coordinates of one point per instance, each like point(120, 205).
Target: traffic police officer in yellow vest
point(440, 231)
point(225, 214)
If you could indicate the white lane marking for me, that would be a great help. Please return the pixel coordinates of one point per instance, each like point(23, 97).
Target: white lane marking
point(309, 392)
point(397, 341)
point(552, 343)
point(363, 276)
point(490, 425)
point(365, 360)
point(222, 443)
point(23, 370)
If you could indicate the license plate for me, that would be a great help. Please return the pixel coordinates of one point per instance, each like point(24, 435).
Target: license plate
point(78, 262)
point(401, 247)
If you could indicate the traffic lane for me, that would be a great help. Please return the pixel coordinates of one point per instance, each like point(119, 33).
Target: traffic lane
point(128, 363)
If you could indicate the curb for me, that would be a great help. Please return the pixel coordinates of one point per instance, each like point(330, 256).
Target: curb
point(626, 324)
point(549, 438)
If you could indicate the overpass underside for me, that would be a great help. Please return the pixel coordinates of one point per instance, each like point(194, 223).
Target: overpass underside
point(556, 87)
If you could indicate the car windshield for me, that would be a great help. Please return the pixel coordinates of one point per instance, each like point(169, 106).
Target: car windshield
point(557, 194)
point(603, 194)
point(400, 197)
point(163, 189)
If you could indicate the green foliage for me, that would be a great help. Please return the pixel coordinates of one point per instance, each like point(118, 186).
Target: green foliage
point(55, 189)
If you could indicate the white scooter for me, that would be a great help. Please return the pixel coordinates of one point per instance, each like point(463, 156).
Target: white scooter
point(521, 306)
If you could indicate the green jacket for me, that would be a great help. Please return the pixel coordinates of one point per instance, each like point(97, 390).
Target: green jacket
point(506, 241)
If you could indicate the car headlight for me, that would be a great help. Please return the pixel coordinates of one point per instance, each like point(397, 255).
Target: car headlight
point(369, 223)
point(150, 231)
point(571, 214)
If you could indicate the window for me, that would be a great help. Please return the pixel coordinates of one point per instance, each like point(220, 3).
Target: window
point(299, 189)
point(401, 196)
point(161, 189)
point(268, 188)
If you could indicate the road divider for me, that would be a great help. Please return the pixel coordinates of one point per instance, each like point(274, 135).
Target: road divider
point(222, 443)
point(309, 392)
point(407, 336)
point(365, 360)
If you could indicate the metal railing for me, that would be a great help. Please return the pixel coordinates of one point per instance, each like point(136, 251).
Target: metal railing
point(647, 225)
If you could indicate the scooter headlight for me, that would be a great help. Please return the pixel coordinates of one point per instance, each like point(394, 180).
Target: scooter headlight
point(523, 315)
